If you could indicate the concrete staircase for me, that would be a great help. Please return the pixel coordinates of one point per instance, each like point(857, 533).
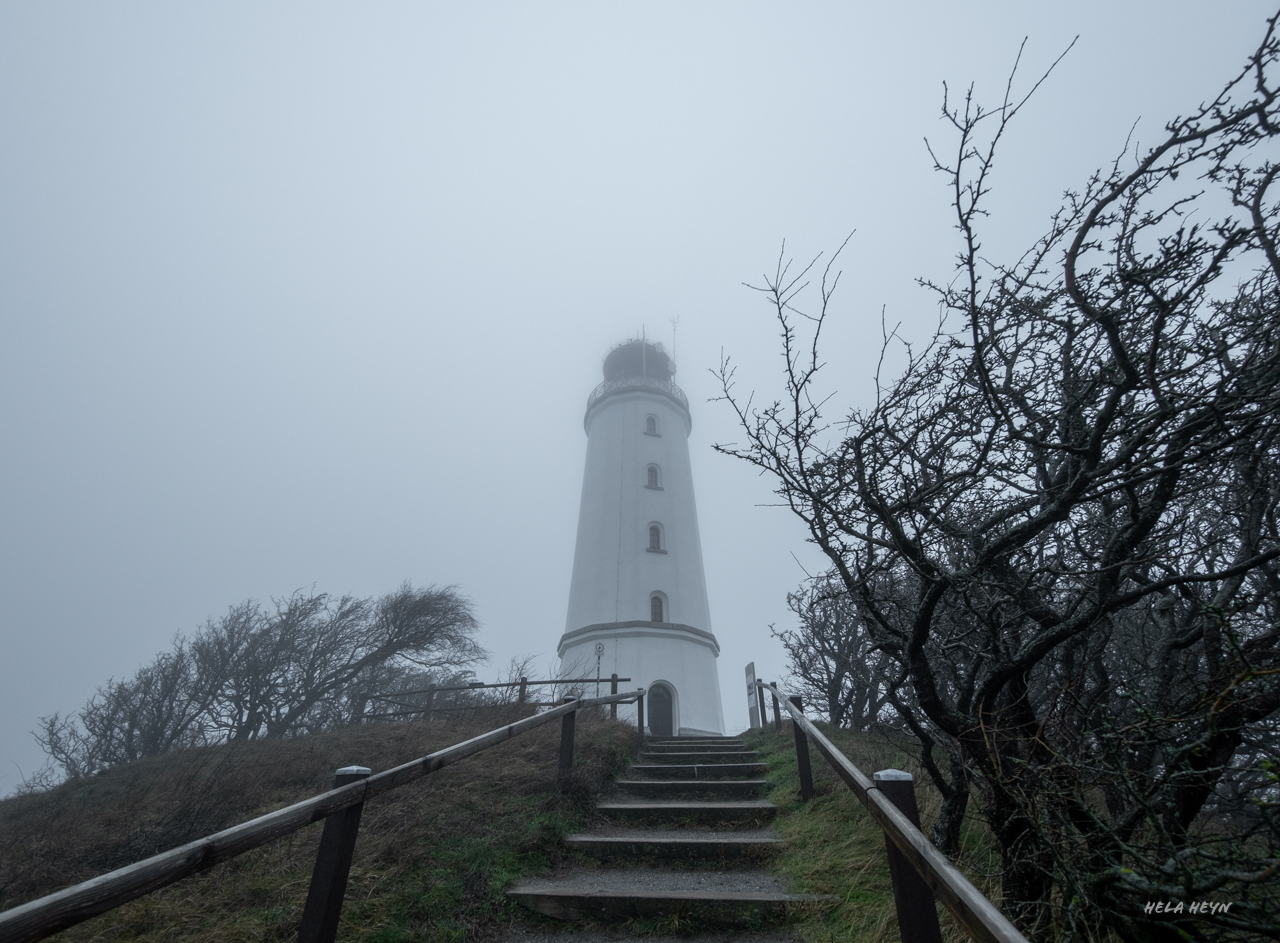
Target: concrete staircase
point(686, 835)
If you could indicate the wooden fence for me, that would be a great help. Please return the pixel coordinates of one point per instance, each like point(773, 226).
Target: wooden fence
point(920, 872)
point(427, 707)
point(341, 809)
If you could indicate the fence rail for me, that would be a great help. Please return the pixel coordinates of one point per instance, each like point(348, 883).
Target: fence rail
point(979, 917)
point(40, 918)
point(477, 685)
point(428, 708)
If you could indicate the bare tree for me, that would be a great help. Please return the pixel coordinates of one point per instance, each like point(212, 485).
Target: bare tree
point(287, 671)
point(161, 708)
point(1060, 520)
point(832, 657)
point(300, 668)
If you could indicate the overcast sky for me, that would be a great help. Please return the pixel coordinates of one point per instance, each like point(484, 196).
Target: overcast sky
point(314, 294)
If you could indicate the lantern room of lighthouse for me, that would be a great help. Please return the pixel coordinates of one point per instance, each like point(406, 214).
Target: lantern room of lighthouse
point(638, 597)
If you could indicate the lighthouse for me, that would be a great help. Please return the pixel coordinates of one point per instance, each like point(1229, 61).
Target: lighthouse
point(638, 598)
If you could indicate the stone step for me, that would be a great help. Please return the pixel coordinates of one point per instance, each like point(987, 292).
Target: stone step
point(695, 747)
point(682, 845)
point(659, 810)
point(743, 898)
point(695, 771)
point(696, 741)
point(688, 758)
point(701, 788)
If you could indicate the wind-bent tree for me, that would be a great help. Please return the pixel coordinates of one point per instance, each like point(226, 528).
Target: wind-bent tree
point(832, 657)
point(300, 667)
point(161, 708)
point(288, 671)
point(1060, 523)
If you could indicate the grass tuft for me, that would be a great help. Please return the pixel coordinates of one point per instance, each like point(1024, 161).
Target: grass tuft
point(834, 846)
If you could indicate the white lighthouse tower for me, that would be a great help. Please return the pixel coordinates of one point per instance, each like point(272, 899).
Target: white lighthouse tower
point(638, 600)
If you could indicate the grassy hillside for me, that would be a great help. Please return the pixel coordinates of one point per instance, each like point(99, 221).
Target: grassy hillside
point(430, 863)
point(835, 847)
point(434, 856)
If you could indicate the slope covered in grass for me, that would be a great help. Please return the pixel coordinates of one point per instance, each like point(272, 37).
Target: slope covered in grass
point(430, 863)
point(834, 846)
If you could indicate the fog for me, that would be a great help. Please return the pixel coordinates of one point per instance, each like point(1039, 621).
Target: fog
point(300, 295)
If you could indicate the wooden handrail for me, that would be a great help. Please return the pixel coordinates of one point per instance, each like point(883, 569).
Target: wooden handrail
point(47, 915)
point(979, 917)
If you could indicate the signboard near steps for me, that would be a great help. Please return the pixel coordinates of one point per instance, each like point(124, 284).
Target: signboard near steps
point(753, 698)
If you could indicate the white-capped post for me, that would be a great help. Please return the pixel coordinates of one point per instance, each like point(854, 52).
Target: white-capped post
point(917, 911)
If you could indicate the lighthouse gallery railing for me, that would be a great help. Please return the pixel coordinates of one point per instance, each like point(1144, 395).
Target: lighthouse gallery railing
point(637, 383)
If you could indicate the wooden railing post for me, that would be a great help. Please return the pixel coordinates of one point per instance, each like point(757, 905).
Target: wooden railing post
point(777, 711)
point(613, 689)
point(566, 738)
point(333, 865)
point(524, 682)
point(917, 915)
point(431, 698)
point(640, 712)
point(802, 755)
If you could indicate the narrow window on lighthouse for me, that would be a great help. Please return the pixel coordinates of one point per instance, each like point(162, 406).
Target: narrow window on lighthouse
point(655, 608)
point(651, 425)
point(655, 537)
point(651, 478)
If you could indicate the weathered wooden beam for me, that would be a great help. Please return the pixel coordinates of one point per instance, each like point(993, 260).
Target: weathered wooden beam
point(917, 913)
point(566, 739)
point(333, 866)
point(980, 918)
point(802, 749)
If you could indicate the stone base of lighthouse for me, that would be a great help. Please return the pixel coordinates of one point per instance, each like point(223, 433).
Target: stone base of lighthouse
point(675, 663)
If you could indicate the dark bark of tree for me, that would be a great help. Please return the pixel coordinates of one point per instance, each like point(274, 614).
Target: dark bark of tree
point(1060, 520)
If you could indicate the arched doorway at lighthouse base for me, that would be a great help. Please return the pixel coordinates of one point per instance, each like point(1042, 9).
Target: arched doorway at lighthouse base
point(662, 710)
